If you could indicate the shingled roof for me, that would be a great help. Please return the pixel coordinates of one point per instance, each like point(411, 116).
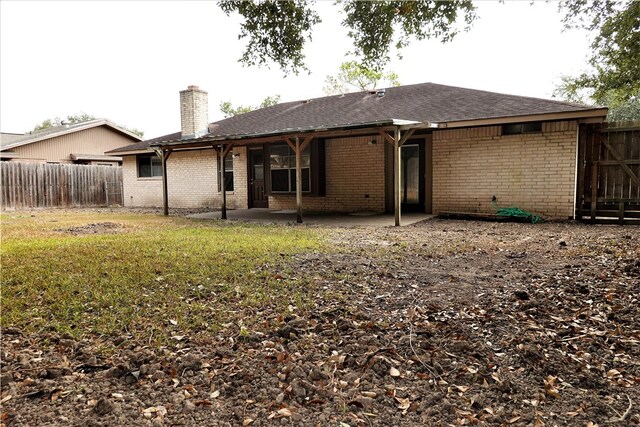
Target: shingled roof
point(422, 103)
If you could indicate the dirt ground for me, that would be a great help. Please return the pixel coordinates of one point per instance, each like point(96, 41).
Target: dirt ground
point(440, 323)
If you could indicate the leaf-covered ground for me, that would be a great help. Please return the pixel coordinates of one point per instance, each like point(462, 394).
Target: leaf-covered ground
point(440, 323)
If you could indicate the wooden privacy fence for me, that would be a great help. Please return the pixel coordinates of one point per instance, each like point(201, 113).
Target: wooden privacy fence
point(609, 173)
point(39, 185)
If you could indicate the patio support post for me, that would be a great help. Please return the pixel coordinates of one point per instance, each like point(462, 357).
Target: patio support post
point(223, 152)
point(397, 185)
point(298, 182)
point(164, 156)
point(223, 208)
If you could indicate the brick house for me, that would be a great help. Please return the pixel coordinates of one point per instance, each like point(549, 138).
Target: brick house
point(424, 147)
point(81, 143)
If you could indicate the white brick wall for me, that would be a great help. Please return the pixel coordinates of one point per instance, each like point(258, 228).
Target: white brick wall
point(192, 181)
point(535, 172)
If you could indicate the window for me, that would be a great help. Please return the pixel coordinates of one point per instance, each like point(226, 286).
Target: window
point(282, 162)
point(280, 169)
point(519, 128)
point(228, 172)
point(149, 166)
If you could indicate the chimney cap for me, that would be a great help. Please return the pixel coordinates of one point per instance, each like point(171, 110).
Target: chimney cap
point(193, 87)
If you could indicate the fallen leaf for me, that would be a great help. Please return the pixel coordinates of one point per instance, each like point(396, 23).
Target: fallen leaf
point(394, 372)
point(403, 403)
point(612, 373)
point(155, 410)
point(285, 412)
point(514, 419)
point(550, 386)
point(247, 421)
point(214, 394)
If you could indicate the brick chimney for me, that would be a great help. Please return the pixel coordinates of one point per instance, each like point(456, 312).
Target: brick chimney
point(194, 111)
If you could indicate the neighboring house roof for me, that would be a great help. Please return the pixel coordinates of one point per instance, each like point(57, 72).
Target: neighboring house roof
point(7, 138)
point(418, 103)
point(10, 141)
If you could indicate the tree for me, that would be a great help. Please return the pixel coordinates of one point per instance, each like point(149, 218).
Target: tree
point(618, 109)
point(353, 75)
point(229, 110)
point(75, 119)
point(278, 30)
point(614, 79)
point(70, 120)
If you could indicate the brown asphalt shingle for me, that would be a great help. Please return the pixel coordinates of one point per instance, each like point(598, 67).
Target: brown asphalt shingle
point(426, 102)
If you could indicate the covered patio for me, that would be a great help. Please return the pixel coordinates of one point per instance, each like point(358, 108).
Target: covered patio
point(393, 132)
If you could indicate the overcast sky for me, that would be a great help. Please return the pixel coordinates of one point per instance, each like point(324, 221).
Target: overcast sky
point(127, 60)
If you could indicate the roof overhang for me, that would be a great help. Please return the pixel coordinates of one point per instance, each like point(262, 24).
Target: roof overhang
point(584, 115)
point(9, 155)
point(95, 157)
point(134, 152)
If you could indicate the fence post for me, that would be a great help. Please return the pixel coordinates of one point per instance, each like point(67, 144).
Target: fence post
point(106, 192)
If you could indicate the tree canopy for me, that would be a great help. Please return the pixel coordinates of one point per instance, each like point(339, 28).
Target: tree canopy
point(278, 30)
point(354, 76)
point(70, 120)
point(229, 110)
point(614, 78)
point(75, 119)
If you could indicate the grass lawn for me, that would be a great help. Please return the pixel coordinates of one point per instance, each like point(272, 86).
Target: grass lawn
point(143, 275)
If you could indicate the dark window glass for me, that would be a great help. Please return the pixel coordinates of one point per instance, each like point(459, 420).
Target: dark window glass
point(228, 173)
point(519, 128)
point(279, 180)
point(149, 166)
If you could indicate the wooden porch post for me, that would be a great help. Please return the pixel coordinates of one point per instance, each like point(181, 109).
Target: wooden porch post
point(222, 153)
point(298, 182)
point(223, 156)
point(397, 185)
point(164, 156)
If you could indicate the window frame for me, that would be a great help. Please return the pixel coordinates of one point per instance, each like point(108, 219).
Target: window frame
point(316, 169)
point(153, 158)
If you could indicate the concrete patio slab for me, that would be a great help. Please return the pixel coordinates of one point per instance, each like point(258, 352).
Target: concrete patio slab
point(360, 219)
